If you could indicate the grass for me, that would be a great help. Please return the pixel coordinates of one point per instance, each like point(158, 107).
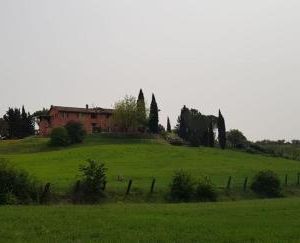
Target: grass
point(290, 151)
point(140, 160)
point(243, 221)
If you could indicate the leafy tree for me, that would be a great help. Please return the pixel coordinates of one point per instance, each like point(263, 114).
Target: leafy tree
point(211, 135)
point(14, 122)
point(183, 123)
point(3, 128)
point(125, 114)
point(20, 124)
point(43, 112)
point(27, 124)
point(141, 112)
point(161, 128)
point(236, 139)
point(76, 132)
point(153, 116)
point(168, 125)
point(222, 131)
point(59, 137)
point(193, 126)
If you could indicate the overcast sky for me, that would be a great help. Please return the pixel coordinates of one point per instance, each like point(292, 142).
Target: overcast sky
point(237, 55)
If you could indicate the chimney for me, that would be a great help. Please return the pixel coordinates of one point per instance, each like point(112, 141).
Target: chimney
point(87, 106)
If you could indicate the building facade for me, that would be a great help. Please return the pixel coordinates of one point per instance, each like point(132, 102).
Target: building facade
point(93, 119)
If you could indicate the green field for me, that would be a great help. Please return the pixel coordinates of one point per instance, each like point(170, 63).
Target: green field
point(243, 221)
point(139, 160)
point(124, 221)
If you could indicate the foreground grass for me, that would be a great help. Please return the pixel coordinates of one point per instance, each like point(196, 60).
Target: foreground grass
point(244, 221)
point(140, 160)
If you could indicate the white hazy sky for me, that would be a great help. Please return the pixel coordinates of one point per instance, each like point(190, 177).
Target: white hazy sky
point(237, 55)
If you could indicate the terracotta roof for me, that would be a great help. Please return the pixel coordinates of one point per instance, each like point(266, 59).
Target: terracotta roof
point(97, 110)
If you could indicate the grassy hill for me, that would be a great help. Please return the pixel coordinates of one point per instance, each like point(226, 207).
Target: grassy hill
point(252, 221)
point(138, 159)
point(141, 160)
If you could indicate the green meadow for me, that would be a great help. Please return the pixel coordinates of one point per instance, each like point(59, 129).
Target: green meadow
point(139, 160)
point(142, 160)
point(243, 221)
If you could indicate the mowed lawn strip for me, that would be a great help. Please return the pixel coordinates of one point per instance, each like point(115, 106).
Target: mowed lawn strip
point(140, 160)
point(244, 221)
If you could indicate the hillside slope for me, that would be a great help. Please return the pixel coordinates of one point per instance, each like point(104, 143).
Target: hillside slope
point(140, 160)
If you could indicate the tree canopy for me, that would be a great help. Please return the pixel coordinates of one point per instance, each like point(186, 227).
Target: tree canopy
point(125, 114)
point(153, 116)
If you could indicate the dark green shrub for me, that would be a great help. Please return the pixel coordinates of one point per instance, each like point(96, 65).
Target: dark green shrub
point(174, 139)
point(16, 187)
point(92, 184)
point(8, 199)
point(206, 191)
point(266, 184)
point(76, 132)
point(59, 137)
point(182, 187)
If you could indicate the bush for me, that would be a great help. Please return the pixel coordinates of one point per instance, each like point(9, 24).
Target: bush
point(266, 184)
point(59, 137)
point(205, 191)
point(16, 187)
point(236, 139)
point(92, 184)
point(8, 199)
point(174, 139)
point(182, 187)
point(76, 132)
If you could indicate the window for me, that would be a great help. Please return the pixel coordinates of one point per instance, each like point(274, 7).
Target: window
point(93, 116)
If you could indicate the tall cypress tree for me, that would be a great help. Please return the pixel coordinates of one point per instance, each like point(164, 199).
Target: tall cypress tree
point(221, 131)
point(183, 123)
point(168, 125)
point(24, 123)
point(211, 135)
point(141, 111)
point(153, 116)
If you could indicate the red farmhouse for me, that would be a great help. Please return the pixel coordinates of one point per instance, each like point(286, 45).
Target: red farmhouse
point(93, 119)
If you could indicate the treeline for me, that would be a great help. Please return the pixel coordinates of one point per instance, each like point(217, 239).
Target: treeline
point(131, 115)
point(17, 123)
point(278, 142)
point(199, 129)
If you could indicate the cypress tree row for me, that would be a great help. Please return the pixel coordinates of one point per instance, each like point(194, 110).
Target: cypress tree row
point(141, 112)
point(211, 135)
point(168, 125)
point(153, 116)
point(20, 124)
point(183, 123)
point(221, 131)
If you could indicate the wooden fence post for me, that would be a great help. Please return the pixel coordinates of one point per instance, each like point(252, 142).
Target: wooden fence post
point(46, 194)
point(152, 186)
point(129, 187)
point(104, 185)
point(229, 183)
point(245, 184)
point(286, 180)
